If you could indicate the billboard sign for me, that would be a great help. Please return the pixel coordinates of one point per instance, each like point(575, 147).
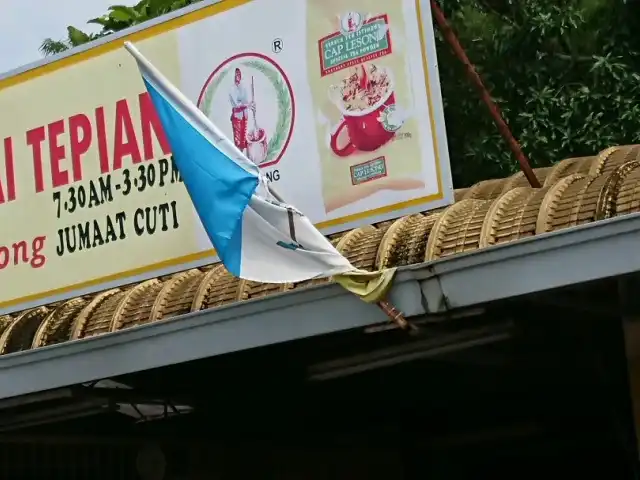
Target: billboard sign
point(338, 102)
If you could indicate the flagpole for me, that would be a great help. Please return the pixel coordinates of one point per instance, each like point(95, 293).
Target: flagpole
point(397, 317)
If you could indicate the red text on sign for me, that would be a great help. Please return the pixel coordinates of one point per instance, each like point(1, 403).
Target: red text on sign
point(23, 252)
point(8, 183)
point(69, 140)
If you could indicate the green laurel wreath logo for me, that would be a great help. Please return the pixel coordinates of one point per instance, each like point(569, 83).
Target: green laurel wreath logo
point(283, 99)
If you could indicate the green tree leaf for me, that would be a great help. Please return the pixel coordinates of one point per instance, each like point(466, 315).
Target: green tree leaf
point(77, 37)
point(121, 13)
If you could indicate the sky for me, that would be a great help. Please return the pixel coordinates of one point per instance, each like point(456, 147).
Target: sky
point(24, 24)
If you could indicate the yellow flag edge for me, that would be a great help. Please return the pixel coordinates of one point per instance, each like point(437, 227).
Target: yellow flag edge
point(372, 287)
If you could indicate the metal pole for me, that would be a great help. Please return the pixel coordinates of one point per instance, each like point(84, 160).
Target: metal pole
point(397, 317)
point(494, 111)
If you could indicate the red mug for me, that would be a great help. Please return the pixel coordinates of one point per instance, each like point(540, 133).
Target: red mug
point(364, 128)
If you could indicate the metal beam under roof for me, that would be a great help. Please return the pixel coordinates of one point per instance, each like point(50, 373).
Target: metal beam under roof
point(595, 251)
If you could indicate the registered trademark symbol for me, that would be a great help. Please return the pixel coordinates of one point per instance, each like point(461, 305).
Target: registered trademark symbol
point(277, 45)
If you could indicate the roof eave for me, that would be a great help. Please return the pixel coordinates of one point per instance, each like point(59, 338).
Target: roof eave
point(544, 262)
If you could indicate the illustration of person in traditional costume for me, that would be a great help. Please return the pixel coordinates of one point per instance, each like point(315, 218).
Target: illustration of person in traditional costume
point(351, 24)
point(240, 106)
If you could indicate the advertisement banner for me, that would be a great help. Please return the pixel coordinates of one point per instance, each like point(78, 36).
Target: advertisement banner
point(338, 103)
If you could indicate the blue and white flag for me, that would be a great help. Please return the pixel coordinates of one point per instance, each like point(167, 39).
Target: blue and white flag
point(256, 235)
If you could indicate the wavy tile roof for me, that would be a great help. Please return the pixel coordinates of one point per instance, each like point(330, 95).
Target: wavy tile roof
point(575, 191)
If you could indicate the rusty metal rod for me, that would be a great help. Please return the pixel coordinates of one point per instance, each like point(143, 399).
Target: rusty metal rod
point(494, 110)
point(397, 317)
